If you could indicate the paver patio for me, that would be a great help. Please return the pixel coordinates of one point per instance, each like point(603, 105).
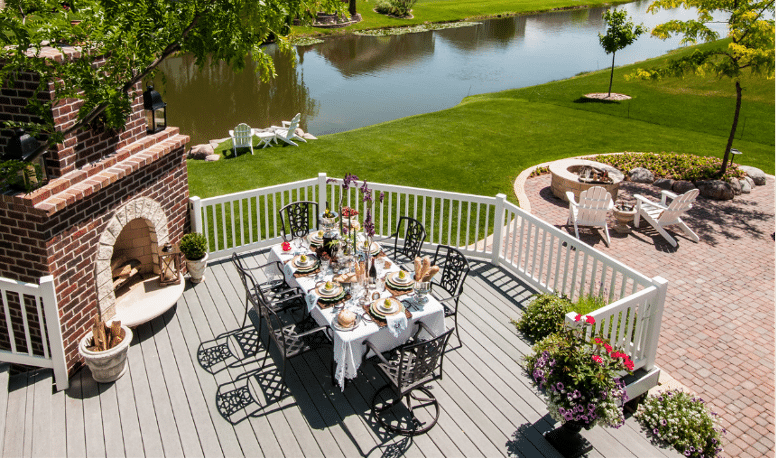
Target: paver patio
point(718, 331)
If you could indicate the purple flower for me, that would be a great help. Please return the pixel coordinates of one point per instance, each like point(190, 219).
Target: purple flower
point(561, 410)
point(381, 197)
point(568, 416)
point(580, 408)
point(655, 431)
point(576, 394)
point(591, 407)
point(560, 386)
point(663, 422)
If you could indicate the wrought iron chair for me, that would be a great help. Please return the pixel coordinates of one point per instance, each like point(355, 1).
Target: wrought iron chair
point(414, 235)
point(408, 368)
point(454, 268)
point(298, 219)
point(275, 292)
point(293, 339)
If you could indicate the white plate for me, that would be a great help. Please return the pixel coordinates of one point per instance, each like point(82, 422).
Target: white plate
point(402, 282)
point(330, 294)
point(314, 237)
point(309, 261)
point(338, 327)
point(378, 307)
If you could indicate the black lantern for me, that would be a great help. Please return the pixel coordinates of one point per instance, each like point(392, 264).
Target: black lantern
point(156, 111)
point(22, 147)
point(170, 265)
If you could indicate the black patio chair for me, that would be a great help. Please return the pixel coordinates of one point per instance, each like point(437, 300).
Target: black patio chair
point(276, 292)
point(413, 234)
point(408, 368)
point(454, 268)
point(298, 216)
point(293, 339)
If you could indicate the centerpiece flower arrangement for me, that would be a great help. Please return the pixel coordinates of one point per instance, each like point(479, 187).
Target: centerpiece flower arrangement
point(580, 378)
point(347, 213)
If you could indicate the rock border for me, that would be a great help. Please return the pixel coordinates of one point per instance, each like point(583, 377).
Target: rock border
point(614, 97)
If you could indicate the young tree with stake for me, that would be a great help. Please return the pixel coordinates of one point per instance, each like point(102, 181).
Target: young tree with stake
point(620, 33)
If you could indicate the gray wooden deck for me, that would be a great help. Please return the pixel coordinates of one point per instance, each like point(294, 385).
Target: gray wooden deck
point(167, 403)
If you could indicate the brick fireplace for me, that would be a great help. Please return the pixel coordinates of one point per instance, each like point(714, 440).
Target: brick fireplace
point(110, 195)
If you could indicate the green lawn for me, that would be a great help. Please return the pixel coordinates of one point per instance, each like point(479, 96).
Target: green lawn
point(449, 10)
point(482, 144)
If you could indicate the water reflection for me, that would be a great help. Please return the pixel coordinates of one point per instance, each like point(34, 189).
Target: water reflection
point(351, 81)
point(206, 103)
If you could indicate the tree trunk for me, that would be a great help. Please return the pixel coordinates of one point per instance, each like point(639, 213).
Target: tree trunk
point(352, 7)
point(724, 166)
point(611, 79)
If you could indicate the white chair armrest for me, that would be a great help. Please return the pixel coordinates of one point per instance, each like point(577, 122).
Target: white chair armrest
point(643, 200)
point(664, 194)
point(571, 198)
point(232, 133)
point(285, 123)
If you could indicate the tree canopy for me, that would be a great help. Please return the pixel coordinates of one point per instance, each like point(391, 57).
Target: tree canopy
point(751, 30)
point(620, 33)
point(133, 38)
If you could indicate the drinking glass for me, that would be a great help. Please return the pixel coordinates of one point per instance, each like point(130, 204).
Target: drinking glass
point(421, 290)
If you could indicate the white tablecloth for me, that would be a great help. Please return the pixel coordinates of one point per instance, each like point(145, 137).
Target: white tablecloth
point(348, 346)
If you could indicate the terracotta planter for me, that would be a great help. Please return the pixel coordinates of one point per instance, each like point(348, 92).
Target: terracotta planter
point(109, 365)
point(197, 269)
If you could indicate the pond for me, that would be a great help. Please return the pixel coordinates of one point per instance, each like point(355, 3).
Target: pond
point(355, 81)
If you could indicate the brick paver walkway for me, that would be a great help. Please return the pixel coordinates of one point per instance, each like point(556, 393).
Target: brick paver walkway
point(718, 332)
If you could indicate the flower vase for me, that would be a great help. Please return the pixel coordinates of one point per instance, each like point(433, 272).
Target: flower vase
point(567, 440)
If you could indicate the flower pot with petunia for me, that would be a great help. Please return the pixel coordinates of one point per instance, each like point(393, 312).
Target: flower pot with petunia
point(580, 379)
point(194, 246)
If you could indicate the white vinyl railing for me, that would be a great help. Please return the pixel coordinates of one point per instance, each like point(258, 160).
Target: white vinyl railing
point(21, 300)
point(487, 228)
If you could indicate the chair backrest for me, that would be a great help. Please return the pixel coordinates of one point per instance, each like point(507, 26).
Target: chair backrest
point(594, 205)
point(242, 135)
point(293, 124)
point(413, 237)
point(454, 268)
point(420, 362)
point(678, 206)
point(298, 218)
point(248, 280)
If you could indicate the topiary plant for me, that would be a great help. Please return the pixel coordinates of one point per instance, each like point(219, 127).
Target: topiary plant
point(194, 246)
point(544, 316)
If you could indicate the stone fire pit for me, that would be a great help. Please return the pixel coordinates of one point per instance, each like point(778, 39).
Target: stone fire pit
point(565, 177)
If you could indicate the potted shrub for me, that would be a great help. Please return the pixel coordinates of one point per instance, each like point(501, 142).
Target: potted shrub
point(195, 249)
point(580, 379)
point(104, 350)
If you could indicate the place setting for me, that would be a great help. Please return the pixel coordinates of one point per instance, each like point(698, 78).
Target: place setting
point(302, 265)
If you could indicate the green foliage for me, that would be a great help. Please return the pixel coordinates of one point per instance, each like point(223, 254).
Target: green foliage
point(751, 33)
point(132, 38)
point(579, 377)
point(543, 316)
point(194, 246)
point(621, 31)
point(15, 174)
point(671, 165)
point(399, 8)
point(588, 303)
point(679, 419)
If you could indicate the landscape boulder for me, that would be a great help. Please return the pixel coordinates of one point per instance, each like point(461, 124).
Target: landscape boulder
point(757, 175)
point(215, 143)
point(746, 188)
point(735, 185)
point(664, 183)
point(308, 136)
point(715, 189)
point(641, 175)
point(682, 186)
point(213, 158)
point(200, 152)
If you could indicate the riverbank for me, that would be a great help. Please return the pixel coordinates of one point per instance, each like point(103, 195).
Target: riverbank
point(482, 144)
point(432, 11)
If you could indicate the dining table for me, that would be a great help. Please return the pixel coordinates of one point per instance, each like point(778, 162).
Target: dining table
point(348, 348)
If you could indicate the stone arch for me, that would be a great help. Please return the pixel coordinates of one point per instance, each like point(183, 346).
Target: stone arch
point(152, 213)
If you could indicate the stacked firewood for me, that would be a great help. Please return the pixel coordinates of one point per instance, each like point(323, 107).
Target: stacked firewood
point(105, 337)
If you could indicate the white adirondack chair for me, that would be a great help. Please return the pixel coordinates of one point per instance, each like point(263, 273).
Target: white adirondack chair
point(242, 137)
point(287, 132)
point(661, 214)
point(591, 210)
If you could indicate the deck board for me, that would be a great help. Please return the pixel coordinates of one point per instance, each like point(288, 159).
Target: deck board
point(166, 405)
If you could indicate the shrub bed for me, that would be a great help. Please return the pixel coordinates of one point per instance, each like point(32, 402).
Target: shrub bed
point(672, 165)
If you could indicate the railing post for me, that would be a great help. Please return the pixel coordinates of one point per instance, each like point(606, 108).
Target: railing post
point(322, 191)
point(196, 214)
point(497, 228)
point(653, 332)
point(54, 329)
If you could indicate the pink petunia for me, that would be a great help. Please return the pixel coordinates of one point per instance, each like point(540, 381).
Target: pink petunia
point(578, 317)
point(590, 320)
point(597, 359)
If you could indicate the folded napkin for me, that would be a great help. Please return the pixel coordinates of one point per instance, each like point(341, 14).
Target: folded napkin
point(289, 269)
point(311, 299)
point(397, 323)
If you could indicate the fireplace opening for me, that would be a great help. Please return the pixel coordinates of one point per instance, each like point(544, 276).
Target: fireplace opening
point(135, 257)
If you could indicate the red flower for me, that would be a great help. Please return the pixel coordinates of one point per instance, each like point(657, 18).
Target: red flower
point(607, 347)
point(598, 341)
point(597, 359)
point(590, 320)
point(578, 317)
point(286, 246)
